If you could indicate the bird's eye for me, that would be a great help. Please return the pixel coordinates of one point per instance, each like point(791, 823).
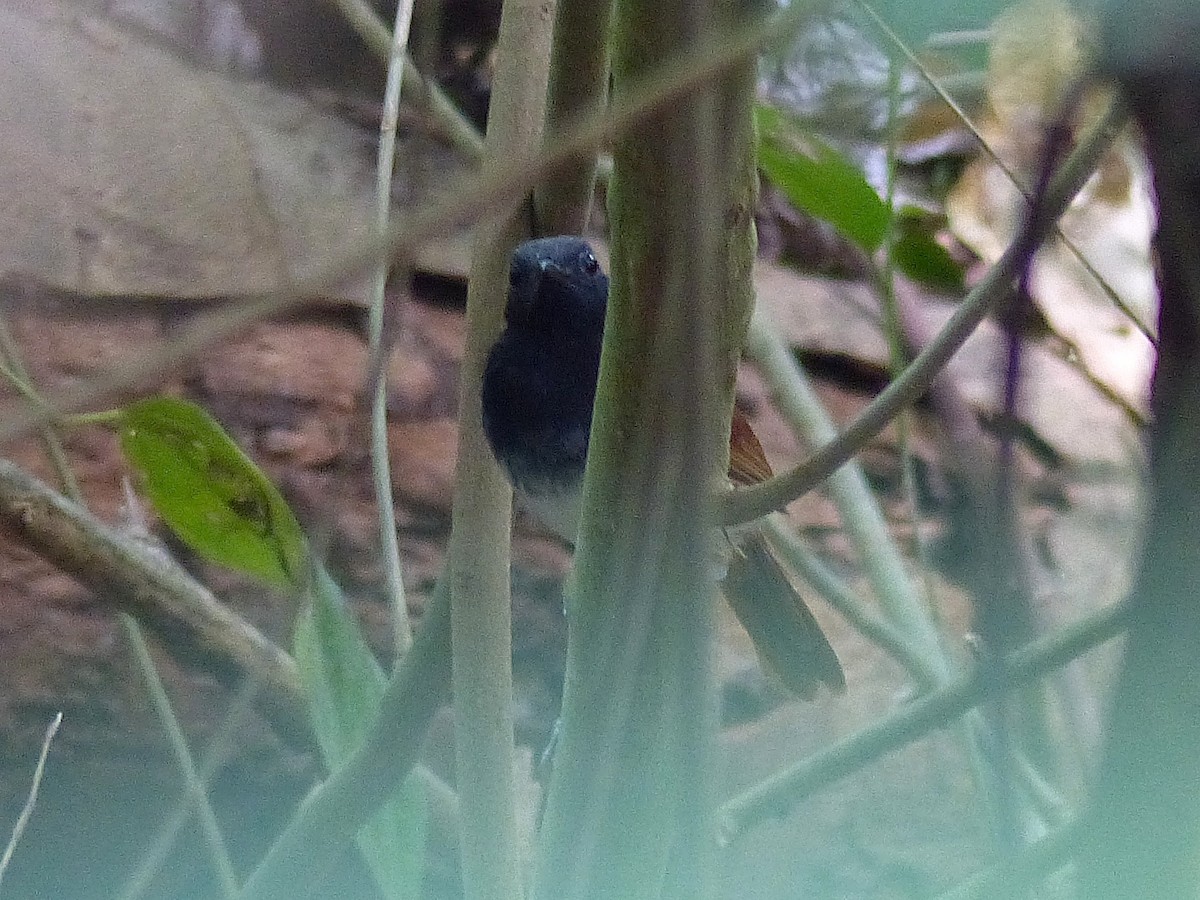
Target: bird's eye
point(590, 264)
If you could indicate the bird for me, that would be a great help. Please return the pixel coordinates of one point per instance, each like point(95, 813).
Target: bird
point(537, 397)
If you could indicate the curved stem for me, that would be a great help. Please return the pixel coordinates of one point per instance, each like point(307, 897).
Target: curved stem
point(380, 464)
point(747, 504)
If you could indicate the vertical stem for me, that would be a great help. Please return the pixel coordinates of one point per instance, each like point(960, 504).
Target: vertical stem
point(578, 86)
point(1145, 839)
point(629, 809)
point(380, 464)
point(479, 543)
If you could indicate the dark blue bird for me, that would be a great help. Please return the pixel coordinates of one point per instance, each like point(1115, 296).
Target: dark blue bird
point(539, 387)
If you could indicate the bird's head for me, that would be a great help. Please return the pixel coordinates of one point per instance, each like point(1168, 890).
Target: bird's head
point(557, 288)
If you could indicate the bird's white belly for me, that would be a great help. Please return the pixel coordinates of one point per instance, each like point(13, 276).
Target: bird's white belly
point(557, 511)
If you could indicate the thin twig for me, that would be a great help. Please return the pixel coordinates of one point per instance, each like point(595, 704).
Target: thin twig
point(194, 783)
point(31, 799)
point(779, 793)
point(747, 504)
point(363, 19)
point(214, 756)
point(379, 351)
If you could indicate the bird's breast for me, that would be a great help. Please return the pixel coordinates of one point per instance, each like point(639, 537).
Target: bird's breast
point(537, 412)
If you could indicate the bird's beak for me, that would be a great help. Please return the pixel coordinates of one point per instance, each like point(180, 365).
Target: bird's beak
point(526, 288)
point(550, 269)
point(523, 289)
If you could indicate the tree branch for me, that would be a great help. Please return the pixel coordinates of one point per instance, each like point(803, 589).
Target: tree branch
point(144, 582)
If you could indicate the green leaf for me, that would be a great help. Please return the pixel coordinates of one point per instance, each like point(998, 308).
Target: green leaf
point(344, 685)
point(210, 493)
point(917, 254)
point(819, 180)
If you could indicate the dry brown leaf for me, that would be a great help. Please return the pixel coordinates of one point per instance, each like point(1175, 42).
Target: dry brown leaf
point(1036, 54)
point(1037, 49)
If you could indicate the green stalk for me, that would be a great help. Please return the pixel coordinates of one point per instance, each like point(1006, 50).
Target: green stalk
point(134, 578)
point(795, 398)
point(380, 463)
point(628, 814)
point(578, 86)
point(479, 542)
